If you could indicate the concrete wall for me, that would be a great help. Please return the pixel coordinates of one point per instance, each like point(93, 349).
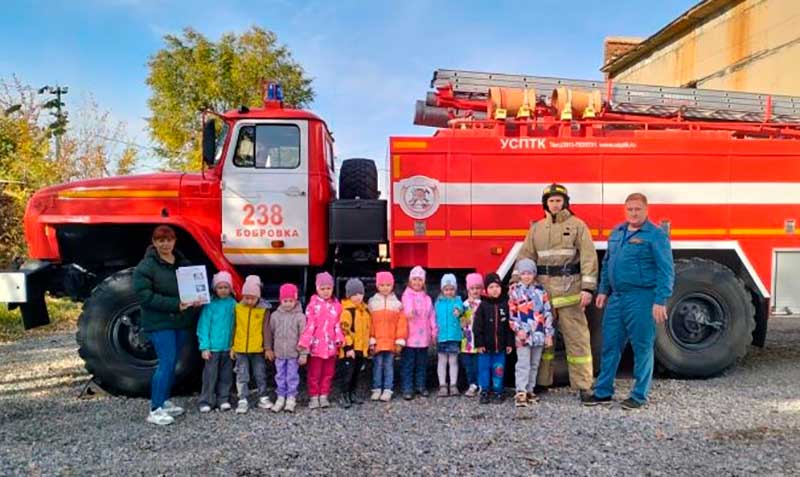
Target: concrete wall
point(754, 46)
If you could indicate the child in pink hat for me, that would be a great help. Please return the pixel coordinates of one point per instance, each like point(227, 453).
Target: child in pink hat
point(469, 353)
point(286, 325)
point(321, 339)
point(418, 309)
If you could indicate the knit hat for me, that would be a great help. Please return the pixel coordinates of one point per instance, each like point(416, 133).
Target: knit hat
point(354, 286)
point(449, 280)
point(493, 278)
point(417, 272)
point(221, 277)
point(382, 278)
point(287, 292)
point(252, 286)
point(526, 265)
point(324, 279)
point(474, 280)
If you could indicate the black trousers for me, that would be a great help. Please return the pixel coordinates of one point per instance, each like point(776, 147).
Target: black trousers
point(351, 368)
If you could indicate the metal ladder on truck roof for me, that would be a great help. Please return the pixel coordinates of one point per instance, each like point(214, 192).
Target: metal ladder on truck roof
point(627, 98)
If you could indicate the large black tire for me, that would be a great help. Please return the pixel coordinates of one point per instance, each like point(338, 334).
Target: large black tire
point(710, 321)
point(358, 179)
point(114, 351)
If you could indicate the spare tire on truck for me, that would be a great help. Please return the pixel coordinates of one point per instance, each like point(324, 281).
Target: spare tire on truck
point(114, 350)
point(358, 179)
point(710, 321)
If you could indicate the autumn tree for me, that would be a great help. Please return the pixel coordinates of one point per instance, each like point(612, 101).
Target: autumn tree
point(192, 73)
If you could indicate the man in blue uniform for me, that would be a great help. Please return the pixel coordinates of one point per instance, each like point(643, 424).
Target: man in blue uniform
point(636, 280)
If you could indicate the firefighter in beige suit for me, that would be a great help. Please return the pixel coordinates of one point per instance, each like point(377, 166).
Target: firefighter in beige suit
point(561, 245)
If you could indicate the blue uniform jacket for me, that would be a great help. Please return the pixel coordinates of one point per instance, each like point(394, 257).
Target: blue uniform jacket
point(638, 260)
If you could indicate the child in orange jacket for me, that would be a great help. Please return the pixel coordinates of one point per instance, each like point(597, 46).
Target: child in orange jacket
point(388, 335)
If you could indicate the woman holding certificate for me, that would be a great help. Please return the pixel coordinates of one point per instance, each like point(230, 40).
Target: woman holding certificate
point(165, 319)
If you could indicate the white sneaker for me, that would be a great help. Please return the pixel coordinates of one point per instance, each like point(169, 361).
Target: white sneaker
point(205, 408)
point(226, 406)
point(376, 395)
point(323, 401)
point(290, 404)
point(264, 402)
point(241, 407)
point(472, 391)
point(160, 417)
point(279, 403)
point(386, 395)
point(172, 409)
point(313, 402)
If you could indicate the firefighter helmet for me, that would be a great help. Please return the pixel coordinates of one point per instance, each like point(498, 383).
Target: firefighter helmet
point(555, 189)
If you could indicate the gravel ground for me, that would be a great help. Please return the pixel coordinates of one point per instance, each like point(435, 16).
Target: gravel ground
point(742, 423)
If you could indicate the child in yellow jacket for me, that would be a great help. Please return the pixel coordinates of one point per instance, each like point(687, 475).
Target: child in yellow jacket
point(355, 322)
point(250, 332)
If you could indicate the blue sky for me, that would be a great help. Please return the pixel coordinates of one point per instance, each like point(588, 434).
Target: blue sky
point(370, 60)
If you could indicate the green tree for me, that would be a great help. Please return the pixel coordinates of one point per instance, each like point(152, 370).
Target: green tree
point(192, 73)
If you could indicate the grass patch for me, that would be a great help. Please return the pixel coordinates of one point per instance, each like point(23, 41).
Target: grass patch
point(63, 317)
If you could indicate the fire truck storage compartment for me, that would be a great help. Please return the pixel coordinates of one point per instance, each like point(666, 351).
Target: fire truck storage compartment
point(356, 221)
point(787, 286)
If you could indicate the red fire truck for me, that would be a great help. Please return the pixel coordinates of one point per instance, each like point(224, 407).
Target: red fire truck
point(721, 170)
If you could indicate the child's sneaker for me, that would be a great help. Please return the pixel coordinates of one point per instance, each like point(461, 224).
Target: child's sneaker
point(442, 391)
point(386, 395)
point(290, 404)
point(532, 398)
point(226, 406)
point(454, 390)
point(472, 391)
point(313, 402)
point(376, 395)
point(323, 401)
point(279, 403)
point(172, 409)
point(242, 407)
point(485, 399)
point(264, 402)
point(499, 398)
point(159, 417)
point(521, 399)
point(205, 408)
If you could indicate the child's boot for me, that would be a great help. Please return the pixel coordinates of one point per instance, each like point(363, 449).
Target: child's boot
point(386, 395)
point(290, 404)
point(323, 401)
point(279, 404)
point(485, 399)
point(471, 391)
point(264, 402)
point(453, 390)
point(355, 399)
point(347, 402)
point(520, 399)
point(376, 395)
point(313, 403)
point(241, 407)
point(442, 391)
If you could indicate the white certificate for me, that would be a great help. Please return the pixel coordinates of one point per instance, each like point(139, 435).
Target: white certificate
point(193, 284)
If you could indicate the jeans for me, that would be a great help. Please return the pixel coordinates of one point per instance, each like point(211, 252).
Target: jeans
point(491, 367)
point(287, 376)
point(470, 363)
point(351, 370)
point(245, 363)
point(217, 379)
point(414, 365)
point(628, 316)
point(383, 370)
point(168, 345)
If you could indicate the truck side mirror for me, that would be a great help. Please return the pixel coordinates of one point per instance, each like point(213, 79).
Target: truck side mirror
point(209, 142)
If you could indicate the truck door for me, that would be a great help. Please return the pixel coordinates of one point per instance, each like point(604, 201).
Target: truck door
point(264, 194)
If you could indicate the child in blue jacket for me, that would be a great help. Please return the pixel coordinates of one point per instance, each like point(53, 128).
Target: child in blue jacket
point(449, 309)
point(214, 337)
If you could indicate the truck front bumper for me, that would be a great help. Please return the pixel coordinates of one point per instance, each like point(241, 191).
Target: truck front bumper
point(25, 288)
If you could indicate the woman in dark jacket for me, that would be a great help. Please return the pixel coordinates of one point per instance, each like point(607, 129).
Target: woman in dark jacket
point(166, 320)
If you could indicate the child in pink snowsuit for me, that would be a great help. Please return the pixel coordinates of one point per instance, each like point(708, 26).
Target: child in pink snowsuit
point(419, 311)
point(322, 338)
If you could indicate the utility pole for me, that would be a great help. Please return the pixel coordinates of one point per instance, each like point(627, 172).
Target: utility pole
point(59, 126)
